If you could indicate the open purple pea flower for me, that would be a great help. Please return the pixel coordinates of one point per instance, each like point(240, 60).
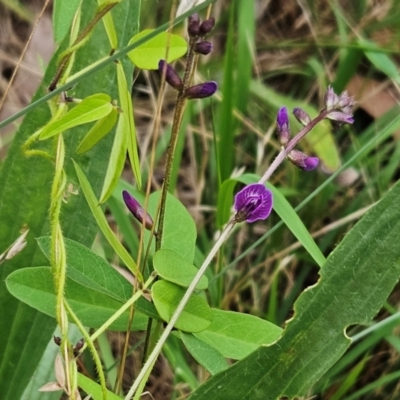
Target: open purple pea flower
point(137, 210)
point(252, 203)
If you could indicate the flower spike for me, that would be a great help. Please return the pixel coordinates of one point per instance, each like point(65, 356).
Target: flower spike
point(252, 203)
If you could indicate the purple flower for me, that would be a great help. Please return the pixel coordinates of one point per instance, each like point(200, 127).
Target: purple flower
point(203, 47)
point(283, 129)
point(137, 211)
point(303, 161)
point(330, 98)
point(201, 90)
point(171, 76)
point(252, 203)
point(341, 117)
point(301, 116)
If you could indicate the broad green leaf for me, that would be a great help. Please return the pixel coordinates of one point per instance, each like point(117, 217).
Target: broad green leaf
point(172, 267)
point(116, 161)
point(30, 178)
point(206, 355)
point(89, 109)
point(130, 131)
point(179, 227)
point(236, 335)
point(196, 315)
point(63, 14)
point(94, 389)
point(356, 280)
point(102, 221)
point(98, 131)
point(320, 139)
point(93, 272)
point(148, 55)
point(34, 286)
point(281, 206)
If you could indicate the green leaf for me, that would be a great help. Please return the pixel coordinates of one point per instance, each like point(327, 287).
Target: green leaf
point(148, 55)
point(63, 14)
point(356, 280)
point(281, 206)
point(207, 356)
point(130, 131)
point(116, 161)
point(109, 24)
point(381, 61)
point(320, 139)
point(196, 315)
point(102, 221)
point(236, 335)
point(89, 109)
point(30, 178)
point(172, 267)
point(93, 272)
point(179, 227)
point(98, 131)
point(34, 286)
point(94, 389)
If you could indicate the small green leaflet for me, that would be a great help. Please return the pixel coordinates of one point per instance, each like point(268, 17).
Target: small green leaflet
point(148, 55)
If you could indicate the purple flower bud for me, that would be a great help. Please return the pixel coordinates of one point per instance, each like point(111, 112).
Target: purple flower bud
point(283, 129)
point(171, 76)
point(194, 25)
point(303, 161)
point(201, 90)
point(252, 203)
point(137, 211)
point(203, 47)
point(207, 26)
point(301, 116)
point(341, 117)
point(345, 101)
point(330, 98)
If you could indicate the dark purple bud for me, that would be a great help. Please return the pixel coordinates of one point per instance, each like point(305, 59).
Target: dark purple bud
point(207, 26)
point(194, 25)
point(57, 340)
point(282, 121)
point(341, 117)
point(203, 47)
point(252, 203)
point(78, 347)
point(301, 116)
point(201, 90)
point(171, 76)
point(137, 211)
point(303, 161)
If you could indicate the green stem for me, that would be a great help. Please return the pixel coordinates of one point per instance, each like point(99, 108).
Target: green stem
point(176, 126)
point(89, 343)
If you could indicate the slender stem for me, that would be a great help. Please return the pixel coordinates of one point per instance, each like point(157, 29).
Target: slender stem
point(176, 125)
point(157, 349)
point(291, 145)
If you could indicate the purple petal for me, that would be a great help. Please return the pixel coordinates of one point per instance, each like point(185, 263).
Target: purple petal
point(252, 203)
point(137, 211)
point(201, 90)
point(310, 163)
point(341, 117)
